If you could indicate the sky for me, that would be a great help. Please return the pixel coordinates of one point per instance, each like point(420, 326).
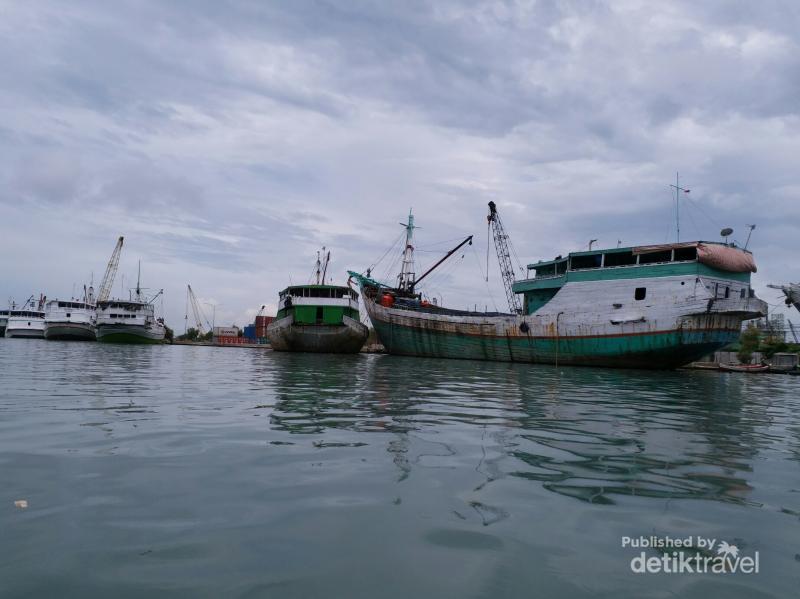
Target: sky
point(228, 141)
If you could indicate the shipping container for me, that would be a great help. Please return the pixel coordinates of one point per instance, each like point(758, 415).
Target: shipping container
point(226, 331)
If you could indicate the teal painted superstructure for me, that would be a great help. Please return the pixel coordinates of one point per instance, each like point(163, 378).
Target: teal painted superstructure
point(645, 307)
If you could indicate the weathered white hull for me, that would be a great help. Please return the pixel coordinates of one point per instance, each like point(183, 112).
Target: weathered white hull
point(346, 338)
point(25, 328)
point(69, 331)
point(122, 333)
point(586, 323)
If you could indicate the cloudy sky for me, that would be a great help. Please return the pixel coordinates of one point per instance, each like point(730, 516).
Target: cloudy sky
point(228, 141)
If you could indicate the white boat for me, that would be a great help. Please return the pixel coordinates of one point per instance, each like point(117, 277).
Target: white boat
point(72, 320)
point(27, 322)
point(129, 321)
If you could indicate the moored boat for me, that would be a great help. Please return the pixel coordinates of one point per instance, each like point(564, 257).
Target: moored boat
point(658, 306)
point(27, 322)
point(753, 368)
point(318, 318)
point(72, 320)
point(130, 321)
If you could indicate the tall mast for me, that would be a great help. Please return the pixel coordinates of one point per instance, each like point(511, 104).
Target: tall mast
point(678, 190)
point(325, 265)
point(677, 207)
point(405, 280)
point(318, 267)
point(138, 281)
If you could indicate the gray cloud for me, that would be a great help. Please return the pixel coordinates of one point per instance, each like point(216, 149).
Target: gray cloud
point(228, 140)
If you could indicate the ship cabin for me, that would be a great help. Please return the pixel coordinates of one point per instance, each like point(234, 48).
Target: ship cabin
point(124, 312)
point(318, 304)
point(699, 258)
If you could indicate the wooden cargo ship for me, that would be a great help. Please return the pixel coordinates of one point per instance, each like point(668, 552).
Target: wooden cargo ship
point(318, 318)
point(658, 306)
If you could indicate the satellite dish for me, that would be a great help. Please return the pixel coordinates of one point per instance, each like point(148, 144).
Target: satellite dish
point(726, 232)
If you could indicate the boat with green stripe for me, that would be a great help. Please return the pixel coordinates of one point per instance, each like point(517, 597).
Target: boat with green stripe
point(318, 317)
point(659, 306)
point(130, 321)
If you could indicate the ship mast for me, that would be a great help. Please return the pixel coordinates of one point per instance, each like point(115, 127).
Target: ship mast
point(405, 280)
point(325, 264)
point(678, 190)
point(138, 280)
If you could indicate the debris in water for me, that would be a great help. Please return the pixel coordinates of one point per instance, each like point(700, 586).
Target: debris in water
point(21, 504)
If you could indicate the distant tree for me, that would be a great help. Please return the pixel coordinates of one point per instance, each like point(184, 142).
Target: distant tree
point(748, 343)
point(169, 334)
point(773, 345)
point(207, 337)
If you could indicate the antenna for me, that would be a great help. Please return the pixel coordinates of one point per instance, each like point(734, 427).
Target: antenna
point(678, 189)
point(749, 233)
point(591, 241)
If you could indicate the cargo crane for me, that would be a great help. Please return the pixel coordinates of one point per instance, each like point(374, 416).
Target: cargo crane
point(200, 319)
point(501, 245)
point(111, 272)
point(794, 332)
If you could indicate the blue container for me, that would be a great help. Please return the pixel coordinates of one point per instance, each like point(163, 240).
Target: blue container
point(250, 331)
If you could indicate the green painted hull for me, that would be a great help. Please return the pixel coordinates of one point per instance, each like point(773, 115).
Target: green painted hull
point(660, 350)
point(129, 338)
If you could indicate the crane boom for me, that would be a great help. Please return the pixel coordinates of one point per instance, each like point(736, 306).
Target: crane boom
point(111, 272)
point(200, 318)
point(503, 257)
point(794, 332)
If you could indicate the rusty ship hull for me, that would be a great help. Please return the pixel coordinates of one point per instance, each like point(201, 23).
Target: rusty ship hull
point(645, 314)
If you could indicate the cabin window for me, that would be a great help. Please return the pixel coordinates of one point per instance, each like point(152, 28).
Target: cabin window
point(685, 254)
point(655, 257)
point(590, 261)
point(620, 259)
point(742, 293)
point(546, 271)
point(68, 314)
point(319, 313)
point(640, 293)
point(727, 292)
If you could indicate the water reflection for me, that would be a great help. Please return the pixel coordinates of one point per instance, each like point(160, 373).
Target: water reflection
point(590, 434)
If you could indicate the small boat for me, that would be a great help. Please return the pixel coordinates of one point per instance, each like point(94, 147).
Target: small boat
point(318, 318)
point(72, 320)
point(27, 322)
point(130, 321)
point(745, 367)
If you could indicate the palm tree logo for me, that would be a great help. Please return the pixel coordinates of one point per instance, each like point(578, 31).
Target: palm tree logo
point(727, 551)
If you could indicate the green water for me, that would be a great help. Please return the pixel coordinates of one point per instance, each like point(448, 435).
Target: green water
point(157, 471)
